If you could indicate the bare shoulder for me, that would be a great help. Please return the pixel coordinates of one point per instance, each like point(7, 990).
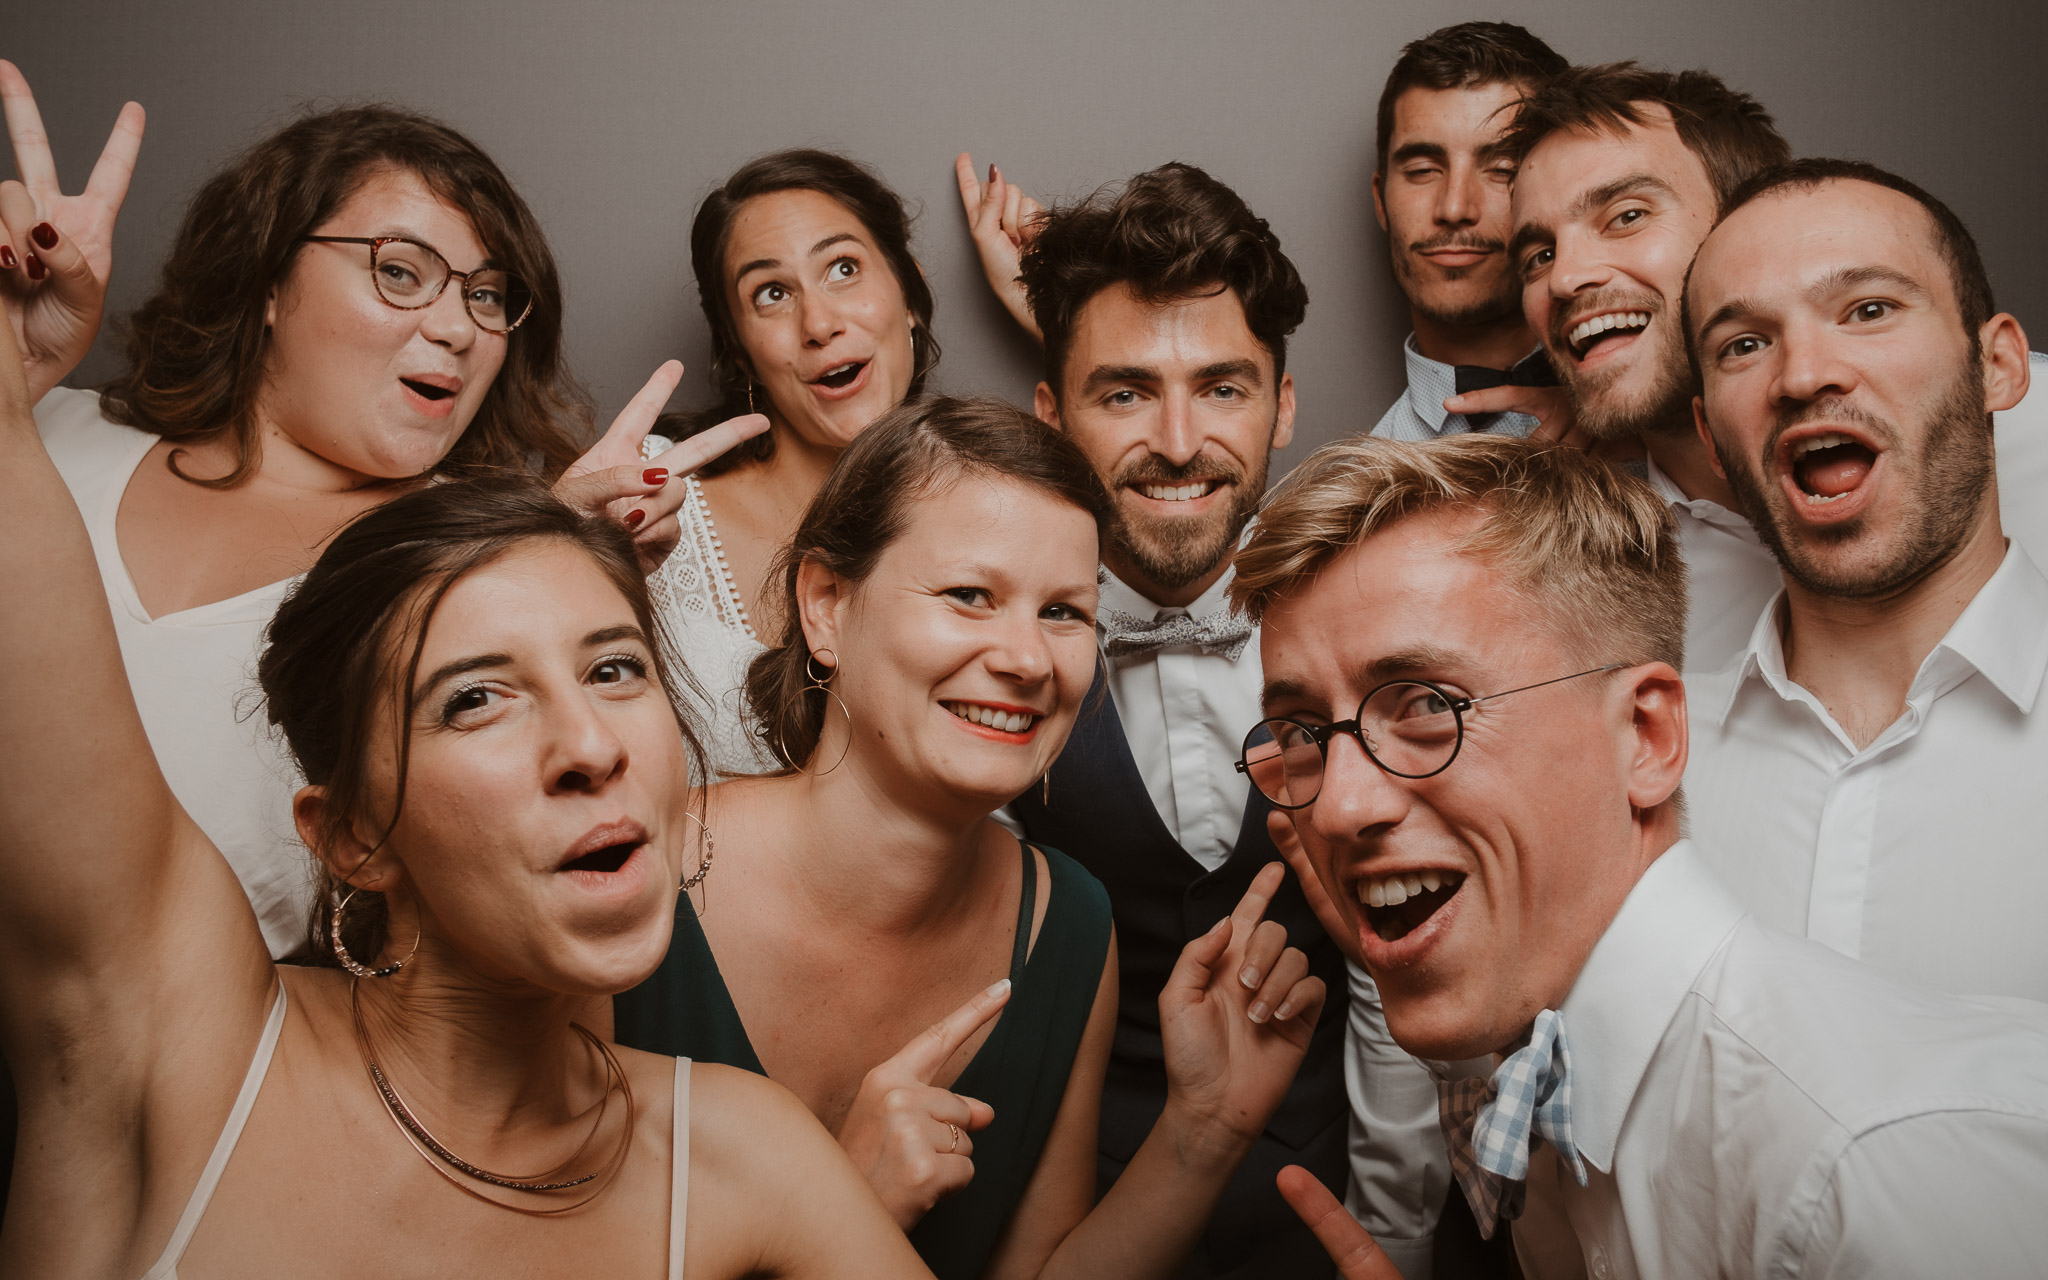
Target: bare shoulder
point(771, 1192)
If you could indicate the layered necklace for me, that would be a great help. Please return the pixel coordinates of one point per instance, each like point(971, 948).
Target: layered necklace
point(446, 1163)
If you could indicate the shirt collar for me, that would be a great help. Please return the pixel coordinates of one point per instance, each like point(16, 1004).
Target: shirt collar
point(2002, 635)
point(1125, 598)
point(1704, 509)
point(1671, 925)
point(1430, 383)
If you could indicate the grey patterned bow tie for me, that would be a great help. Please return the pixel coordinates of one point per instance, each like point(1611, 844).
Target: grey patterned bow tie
point(1490, 1124)
point(1224, 632)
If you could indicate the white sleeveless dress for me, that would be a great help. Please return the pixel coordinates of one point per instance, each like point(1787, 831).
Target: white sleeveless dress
point(708, 633)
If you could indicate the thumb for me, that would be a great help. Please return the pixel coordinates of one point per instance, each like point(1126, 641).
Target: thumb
point(590, 492)
point(980, 1115)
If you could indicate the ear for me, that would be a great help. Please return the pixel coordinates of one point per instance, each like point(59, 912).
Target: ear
point(270, 308)
point(1046, 406)
point(347, 855)
point(2006, 361)
point(1699, 423)
point(1283, 418)
point(821, 600)
point(1379, 201)
point(1658, 745)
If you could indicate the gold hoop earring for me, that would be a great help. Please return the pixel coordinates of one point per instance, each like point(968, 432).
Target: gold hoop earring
point(1045, 788)
point(818, 682)
point(750, 399)
point(704, 863)
point(349, 962)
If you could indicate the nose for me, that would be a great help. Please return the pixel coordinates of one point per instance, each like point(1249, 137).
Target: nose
point(583, 754)
point(821, 320)
point(445, 321)
point(1174, 436)
point(1809, 365)
point(1577, 266)
point(1021, 652)
point(1357, 796)
point(1459, 199)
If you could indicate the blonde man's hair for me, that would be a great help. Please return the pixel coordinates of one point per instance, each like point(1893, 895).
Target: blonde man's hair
point(1594, 549)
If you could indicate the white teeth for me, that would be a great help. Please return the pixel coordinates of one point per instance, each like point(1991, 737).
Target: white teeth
point(1813, 443)
point(1174, 492)
point(1815, 499)
point(1393, 890)
point(1370, 894)
point(1586, 329)
point(1007, 721)
point(1432, 881)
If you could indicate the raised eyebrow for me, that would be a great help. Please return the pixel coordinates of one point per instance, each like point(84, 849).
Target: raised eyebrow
point(1406, 662)
point(614, 634)
point(1858, 277)
point(837, 238)
point(459, 667)
point(404, 233)
point(1609, 192)
point(1734, 309)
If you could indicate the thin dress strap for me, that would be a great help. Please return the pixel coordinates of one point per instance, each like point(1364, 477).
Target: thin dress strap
point(166, 1267)
point(679, 1174)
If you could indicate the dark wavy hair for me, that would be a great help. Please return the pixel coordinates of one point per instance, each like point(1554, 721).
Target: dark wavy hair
point(1171, 232)
point(867, 198)
point(344, 646)
point(1466, 56)
point(909, 453)
point(1729, 131)
point(196, 347)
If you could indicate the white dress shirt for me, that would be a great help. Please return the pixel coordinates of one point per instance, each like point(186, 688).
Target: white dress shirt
point(1751, 1104)
point(1924, 853)
point(1400, 1172)
point(1419, 413)
point(1185, 712)
point(1730, 574)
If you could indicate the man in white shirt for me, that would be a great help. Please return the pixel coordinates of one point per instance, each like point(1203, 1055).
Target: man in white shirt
point(1165, 309)
point(1477, 725)
point(1440, 188)
point(1622, 169)
point(1869, 773)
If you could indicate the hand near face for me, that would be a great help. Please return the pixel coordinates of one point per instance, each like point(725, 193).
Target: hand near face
point(613, 480)
point(896, 1131)
point(1236, 1016)
point(1557, 419)
point(56, 251)
point(1000, 218)
point(1280, 828)
point(1356, 1255)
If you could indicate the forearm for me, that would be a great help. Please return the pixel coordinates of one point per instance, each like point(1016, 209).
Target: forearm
point(1151, 1218)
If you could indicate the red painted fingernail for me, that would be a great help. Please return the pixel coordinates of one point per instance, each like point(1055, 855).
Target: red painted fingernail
point(634, 517)
point(35, 267)
point(654, 475)
point(991, 171)
point(45, 235)
point(6, 257)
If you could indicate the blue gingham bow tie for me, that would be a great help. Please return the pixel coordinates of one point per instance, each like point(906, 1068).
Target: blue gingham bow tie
point(1224, 632)
point(1491, 1124)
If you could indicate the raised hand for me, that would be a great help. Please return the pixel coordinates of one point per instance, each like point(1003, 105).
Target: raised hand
point(1349, 1246)
point(57, 251)
point(1280, 828)
point(1556, 420)
point(613, 480)
point(906, 1135)
point(1000, 218)
point(1236, 1015)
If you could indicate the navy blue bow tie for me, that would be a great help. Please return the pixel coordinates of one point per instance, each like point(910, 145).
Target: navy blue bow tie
point(1535, 371)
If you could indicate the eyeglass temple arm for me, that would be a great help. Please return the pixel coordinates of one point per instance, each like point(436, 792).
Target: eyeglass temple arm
point(1612, 666)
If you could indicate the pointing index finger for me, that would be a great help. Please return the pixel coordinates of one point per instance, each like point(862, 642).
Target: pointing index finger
point(970, 185)
point(924, 1055)
point(1251, 908)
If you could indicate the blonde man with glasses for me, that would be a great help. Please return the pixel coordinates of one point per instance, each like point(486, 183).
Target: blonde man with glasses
point(1670, 1087)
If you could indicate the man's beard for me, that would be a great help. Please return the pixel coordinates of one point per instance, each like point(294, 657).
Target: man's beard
point(1952, 473)
point(1662, 409)
point(1172, 551)
point(1503, 302)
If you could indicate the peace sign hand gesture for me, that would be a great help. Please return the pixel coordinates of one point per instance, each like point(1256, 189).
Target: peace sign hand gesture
point(906, 1135)
point(1000, 217)
point(1236, 1016)
point(57, 251)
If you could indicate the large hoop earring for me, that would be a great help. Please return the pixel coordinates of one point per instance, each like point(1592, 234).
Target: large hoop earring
point(696, 877)
point(349, 962)
point(750, 398)
point(818, 682)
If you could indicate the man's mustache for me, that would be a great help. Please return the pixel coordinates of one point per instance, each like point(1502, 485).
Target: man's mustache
point(1457, 240)
point(1154, 469)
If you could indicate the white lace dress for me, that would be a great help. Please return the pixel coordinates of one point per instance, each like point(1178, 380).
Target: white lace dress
point(708, 634)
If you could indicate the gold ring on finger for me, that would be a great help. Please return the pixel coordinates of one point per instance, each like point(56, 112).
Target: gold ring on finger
point(954, 1145)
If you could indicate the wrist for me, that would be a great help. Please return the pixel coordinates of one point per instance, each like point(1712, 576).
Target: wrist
point(1200, 1138)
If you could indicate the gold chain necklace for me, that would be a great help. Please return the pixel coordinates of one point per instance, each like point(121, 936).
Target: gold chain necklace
point(436, 1154)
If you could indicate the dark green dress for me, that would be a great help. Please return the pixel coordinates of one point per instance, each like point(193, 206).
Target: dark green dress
point(1021, 1070)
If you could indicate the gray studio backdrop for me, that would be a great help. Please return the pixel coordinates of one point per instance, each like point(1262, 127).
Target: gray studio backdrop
point(615, 116)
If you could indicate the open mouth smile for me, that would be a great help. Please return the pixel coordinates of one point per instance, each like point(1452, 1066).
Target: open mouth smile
point(1187, 492)
point(1011, 724)
point(1825, 472)
point(1398, 903)
point(597, 859)
point(1596, 331)
point(841, 377)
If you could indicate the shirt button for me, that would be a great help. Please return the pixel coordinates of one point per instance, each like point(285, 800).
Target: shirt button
point(1601, 1269)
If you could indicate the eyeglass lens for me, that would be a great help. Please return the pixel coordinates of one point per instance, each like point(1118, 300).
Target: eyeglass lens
point(411, 275)
point(1410, 729)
